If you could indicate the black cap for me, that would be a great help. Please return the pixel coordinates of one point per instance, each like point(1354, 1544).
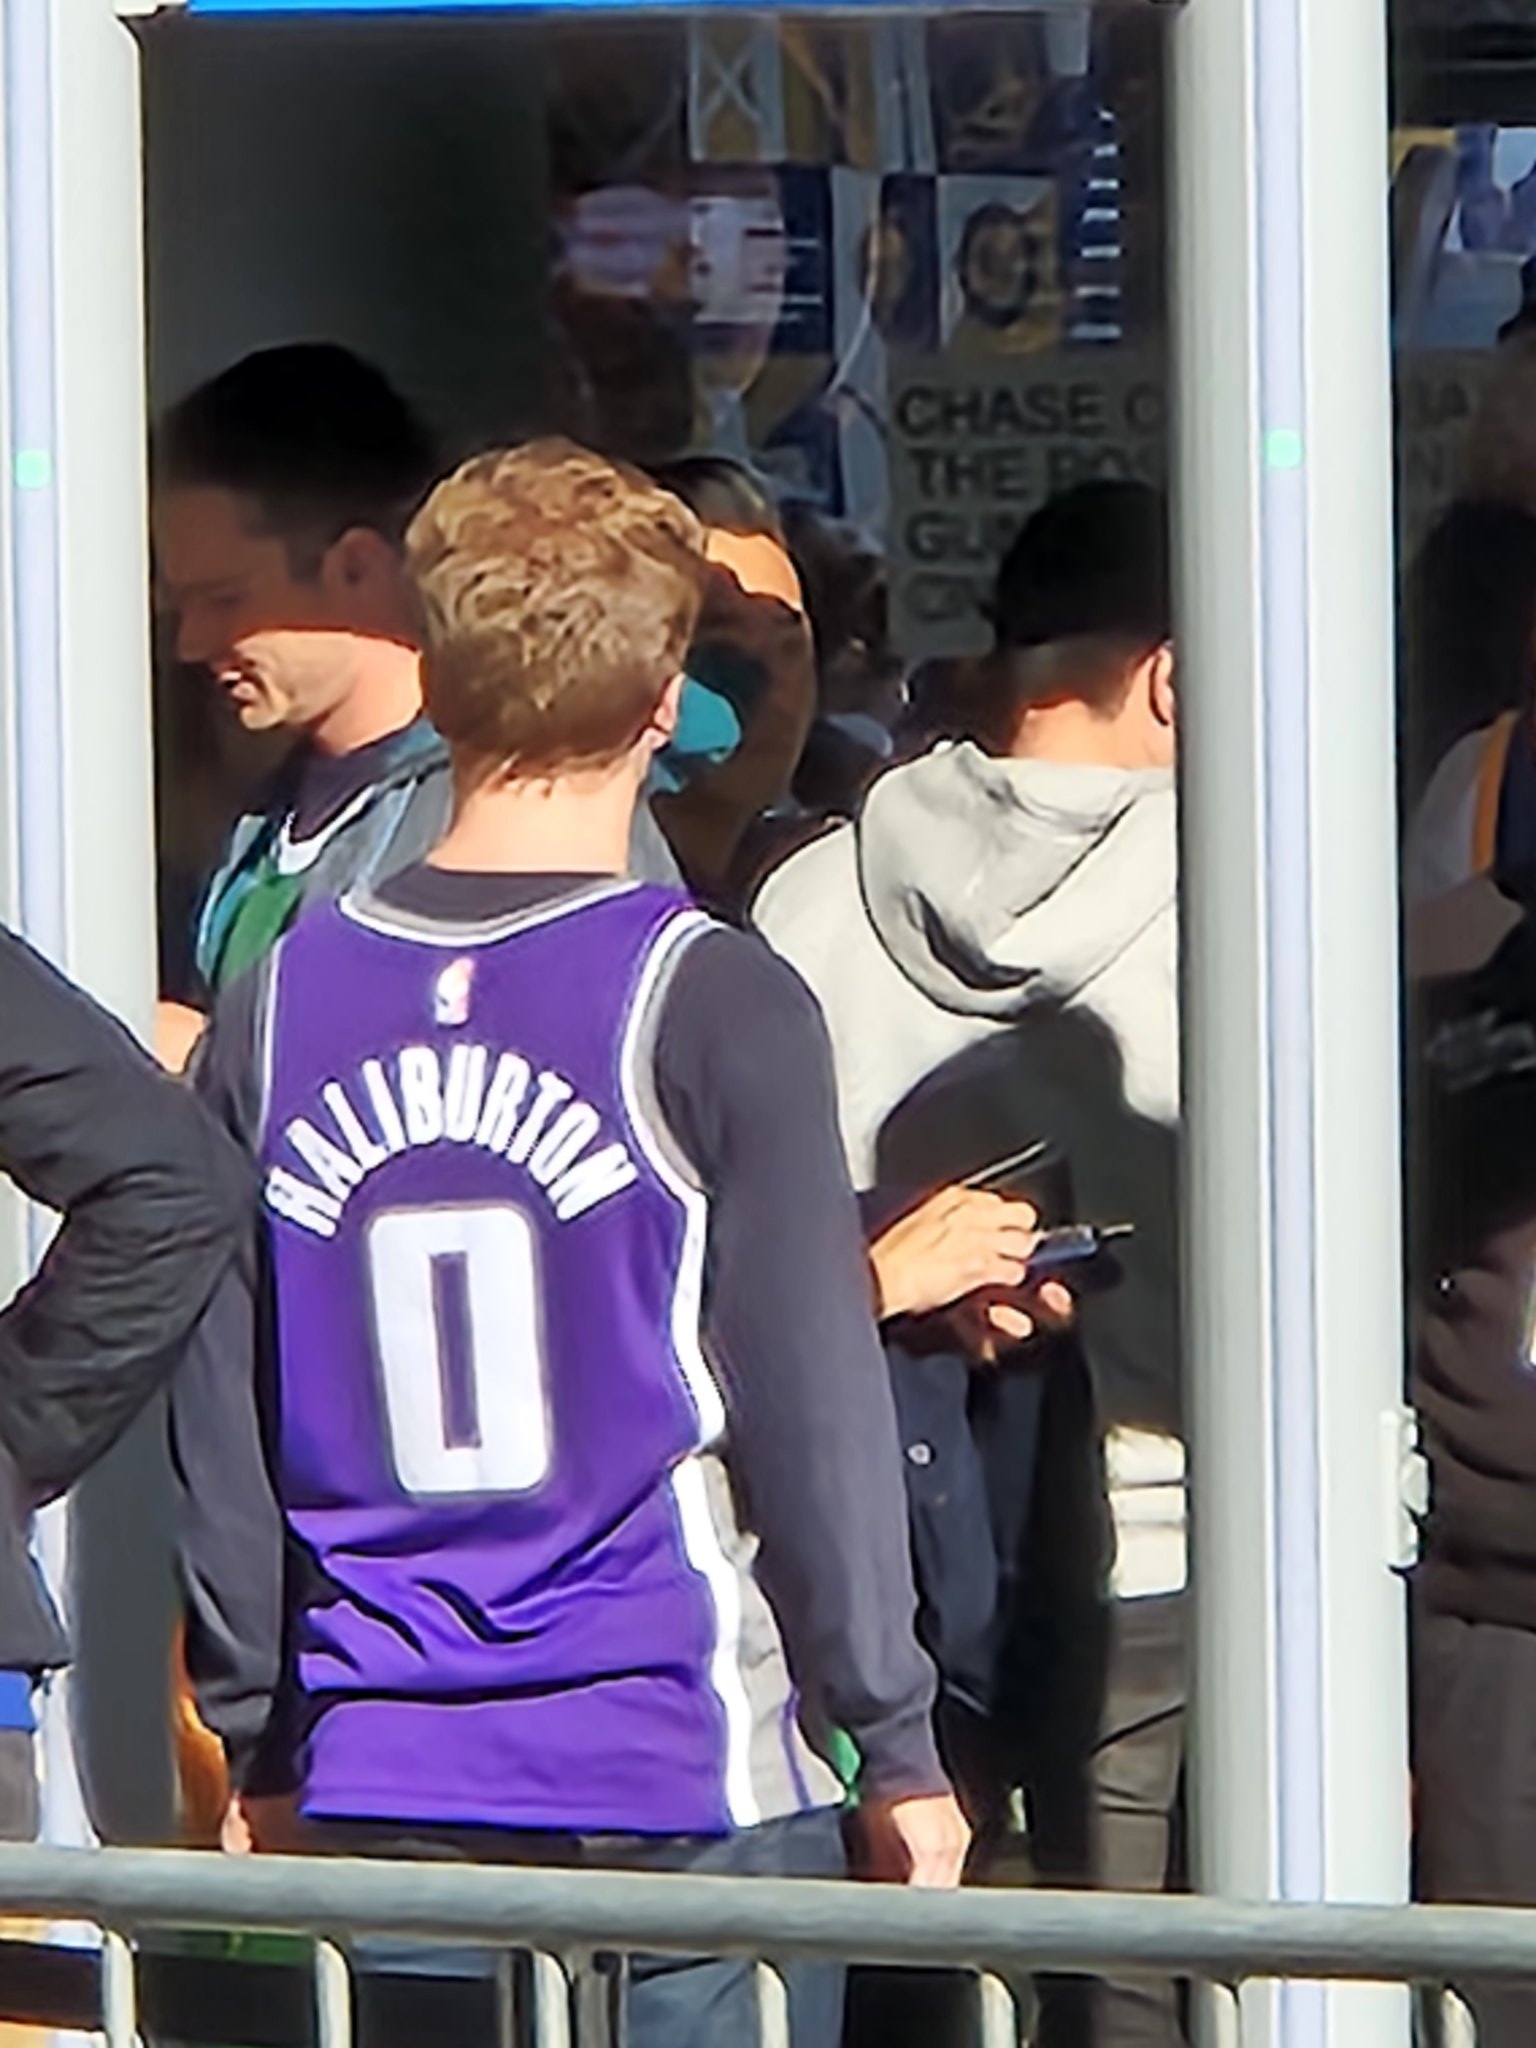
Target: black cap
point(1094, 560)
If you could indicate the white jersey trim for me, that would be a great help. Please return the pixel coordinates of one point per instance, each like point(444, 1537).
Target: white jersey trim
point(701, 1539)
point(266, 1034)
point(688, 1298)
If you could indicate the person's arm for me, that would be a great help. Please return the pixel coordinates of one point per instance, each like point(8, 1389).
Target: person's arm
point(178, 1027)
point(231, 1535)
point(152, 1197)
point(744, 1077)
point(969, 1248)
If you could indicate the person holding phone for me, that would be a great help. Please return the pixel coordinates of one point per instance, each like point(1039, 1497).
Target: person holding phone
point(994, 945)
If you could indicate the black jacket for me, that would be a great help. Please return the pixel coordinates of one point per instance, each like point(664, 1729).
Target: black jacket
point(1005, 1481)
point(1472, 1206)
point(153, 1197)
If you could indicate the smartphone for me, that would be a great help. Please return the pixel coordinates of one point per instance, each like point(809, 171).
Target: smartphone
point(1058, 1249)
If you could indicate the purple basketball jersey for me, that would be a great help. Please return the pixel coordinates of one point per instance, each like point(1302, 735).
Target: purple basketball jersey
point(496, 1430)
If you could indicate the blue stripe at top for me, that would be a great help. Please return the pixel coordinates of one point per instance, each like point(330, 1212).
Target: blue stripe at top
point(501, 6)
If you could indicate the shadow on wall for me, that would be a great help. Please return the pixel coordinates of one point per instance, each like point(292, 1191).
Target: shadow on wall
point(373, 182)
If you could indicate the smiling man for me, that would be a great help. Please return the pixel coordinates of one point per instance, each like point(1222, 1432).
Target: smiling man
point(283, 489)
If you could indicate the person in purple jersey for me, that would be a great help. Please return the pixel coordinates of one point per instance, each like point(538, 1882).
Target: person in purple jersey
point(541, 1495)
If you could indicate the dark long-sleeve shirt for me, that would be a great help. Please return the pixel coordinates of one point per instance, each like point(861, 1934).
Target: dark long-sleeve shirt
point(744, 1085)
point(153, 1198)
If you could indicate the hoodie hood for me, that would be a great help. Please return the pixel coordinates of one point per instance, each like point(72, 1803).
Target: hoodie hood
point(996, 884)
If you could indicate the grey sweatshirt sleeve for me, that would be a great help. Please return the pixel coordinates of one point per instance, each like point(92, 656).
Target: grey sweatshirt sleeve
point(231, 1533)
point(650, 857)
point(153, 1198)
point(744, 1079)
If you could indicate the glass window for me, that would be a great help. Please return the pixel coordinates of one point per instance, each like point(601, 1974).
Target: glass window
point(901, 278)
point(907, 269)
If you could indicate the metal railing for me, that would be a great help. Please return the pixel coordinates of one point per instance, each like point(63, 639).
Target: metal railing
point(564, 1919)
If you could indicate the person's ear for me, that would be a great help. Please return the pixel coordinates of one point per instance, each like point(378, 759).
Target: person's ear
point(359, 562)
point(1160, 690)
point(661, 726)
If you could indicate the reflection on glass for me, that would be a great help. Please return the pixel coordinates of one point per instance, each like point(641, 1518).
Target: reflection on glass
point(774, 231)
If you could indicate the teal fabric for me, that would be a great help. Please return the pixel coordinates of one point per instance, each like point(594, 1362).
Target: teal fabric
point(708, 731)
point(728, 671)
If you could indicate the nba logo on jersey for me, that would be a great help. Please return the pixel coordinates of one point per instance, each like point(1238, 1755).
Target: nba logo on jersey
point(450, 997)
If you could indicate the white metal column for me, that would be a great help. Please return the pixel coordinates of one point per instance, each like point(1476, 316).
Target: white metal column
point(77, 765)
point(1293, 1265)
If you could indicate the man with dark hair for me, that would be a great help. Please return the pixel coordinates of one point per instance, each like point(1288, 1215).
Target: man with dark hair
point(993, 943)
point(544, 1481)
point(283, 489)
point(316, 441)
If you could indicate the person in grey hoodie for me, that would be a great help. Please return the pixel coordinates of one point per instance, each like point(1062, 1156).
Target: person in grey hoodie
point(994, 945)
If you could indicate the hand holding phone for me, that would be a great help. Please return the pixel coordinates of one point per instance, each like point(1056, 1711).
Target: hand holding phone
point(958, 1240)
point(989, 1322)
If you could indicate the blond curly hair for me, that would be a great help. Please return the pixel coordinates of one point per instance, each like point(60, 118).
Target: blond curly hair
point(559, 594)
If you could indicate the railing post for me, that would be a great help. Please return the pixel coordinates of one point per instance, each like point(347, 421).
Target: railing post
point(333, 1997)
point(1458, 2029)
point(119, 1991)
point(772, 2008)
point(999, 2013)
point(506, 2000)
point(551, 2004)
point(1222, 2014)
